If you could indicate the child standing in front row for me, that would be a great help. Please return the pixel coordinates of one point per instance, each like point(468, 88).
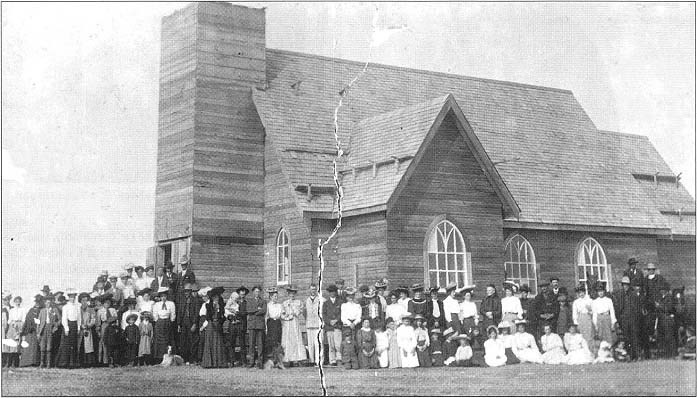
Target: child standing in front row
point(436, 348)
point(132, 336)
point(145, 344)
point(395, 358)
point(382, 345)
point(365, 340)
point(348, 352)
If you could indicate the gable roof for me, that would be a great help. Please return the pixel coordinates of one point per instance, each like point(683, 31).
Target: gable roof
point(556, 164)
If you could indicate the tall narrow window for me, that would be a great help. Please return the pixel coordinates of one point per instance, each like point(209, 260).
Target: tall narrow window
point(592, 264)
point(447, 257)
point(520, 264)
point(283, 257)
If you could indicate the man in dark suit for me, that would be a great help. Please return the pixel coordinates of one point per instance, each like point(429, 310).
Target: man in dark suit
point(435, 317)
point(187, 322)
point(186, 275)
point(634, 274)
point(256, 311)
point(242, 315)
point(172, 278)
point(160, 280)
point(628, 305)
point(546, 309)
point(331, 315)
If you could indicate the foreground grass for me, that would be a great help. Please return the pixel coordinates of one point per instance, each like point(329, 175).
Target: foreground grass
point(642, 378)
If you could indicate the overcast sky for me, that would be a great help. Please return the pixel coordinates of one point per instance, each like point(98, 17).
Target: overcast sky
point(80, 100)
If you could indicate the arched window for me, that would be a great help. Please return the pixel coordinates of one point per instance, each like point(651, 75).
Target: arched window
point(283, 257)
point(592, 264)
point(447, 257)
point(520, 264)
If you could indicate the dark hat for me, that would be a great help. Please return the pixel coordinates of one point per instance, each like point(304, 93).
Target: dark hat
point(332, 288)
point(350, 291)
point(46, 289)
point(381, 284)
point(242, 289)
point(599, 285)
point(433, 290)
point(257, 287)
point(144, 291)
point(107, 296)
point(369, 294)
point(39, 298)
point(272, 290)
point(291, 288)
point(168, 264)
point(146, 315)
point(402, 289)
point(632, 260)
point(216, 291)
point(162, 290)
point(450, 286)
point(149, 267)
point(363, 288)
point(417, 287)
point(562, 290)
point(525, 288)
point(61, 300)
point(58, 293)
point(82, 295)
point(138, 267)
point(554, 278)
point(129, 301)
point(132, 316)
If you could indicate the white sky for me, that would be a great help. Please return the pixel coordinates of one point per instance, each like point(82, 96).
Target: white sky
point(80, 100)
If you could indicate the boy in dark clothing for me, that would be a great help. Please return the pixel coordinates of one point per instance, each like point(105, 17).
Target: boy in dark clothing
point(112, 341)
point(132, 337)
point(348, 352)
point(436, 348)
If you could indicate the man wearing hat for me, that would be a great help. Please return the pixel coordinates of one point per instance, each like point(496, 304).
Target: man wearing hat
point(633, 273)
point(256, 327)
point(187, 322)
point(417, 305)
point(628, 311)
point(545, 309)
point(312, 307)
point(186, 275)
point(340, 292)
point(172, 278)
point(331, 315)
point(652, 283)
point(242, 292)
point(45, 291)
point(665, 313)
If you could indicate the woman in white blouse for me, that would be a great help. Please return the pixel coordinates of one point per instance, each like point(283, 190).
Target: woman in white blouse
point(582, 314)
point(603, 315)
point(394, 310)
point(511, 310)
point(494, 350)
point(468, 311)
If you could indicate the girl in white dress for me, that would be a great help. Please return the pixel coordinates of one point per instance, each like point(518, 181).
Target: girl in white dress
point(494, 351)
point(578, 352)
point(406, 340)
point(524, 346)
point(552, 347)
point(382, 345)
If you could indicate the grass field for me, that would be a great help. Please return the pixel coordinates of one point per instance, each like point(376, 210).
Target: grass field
point(642, 378)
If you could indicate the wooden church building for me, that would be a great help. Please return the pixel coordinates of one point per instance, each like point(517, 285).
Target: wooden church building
point(445, 177)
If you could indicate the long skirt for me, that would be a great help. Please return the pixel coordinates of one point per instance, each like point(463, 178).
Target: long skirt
point(477, 359)
point(578, 357)
point(424, 358)
point(555, 356)
point(160, 338)
point(68, 349)
point(213, 347)
point(30, 355)
point(394, 357)
point(510, 317)
point(585, 327)
point(292, 341)
point(605, 328)
point(86, 348)
point(511, 358)
point(13, 332)
point(467, 325)
point(274, 332)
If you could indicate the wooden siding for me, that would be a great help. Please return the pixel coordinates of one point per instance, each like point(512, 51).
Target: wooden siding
point(175, 155)
point(676, 261)
point(281, 211)
point(447, 181)
point(211, 142)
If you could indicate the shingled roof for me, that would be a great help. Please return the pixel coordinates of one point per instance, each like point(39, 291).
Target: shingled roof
point(558, 166)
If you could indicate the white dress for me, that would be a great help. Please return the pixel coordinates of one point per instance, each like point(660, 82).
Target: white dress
point(395, 311)
point(382, 344)
point(553, 349)
point(576, 345)
point(525, 348)
point(494, 352)
point(406, 340)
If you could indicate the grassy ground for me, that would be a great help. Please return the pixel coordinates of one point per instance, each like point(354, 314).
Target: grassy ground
point(643, 378)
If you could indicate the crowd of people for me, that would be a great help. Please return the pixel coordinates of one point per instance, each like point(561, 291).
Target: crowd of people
point(137, 318)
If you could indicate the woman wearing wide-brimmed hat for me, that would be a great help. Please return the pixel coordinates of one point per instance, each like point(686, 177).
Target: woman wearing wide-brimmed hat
point(214, 355)
point(164, 314)
point(292, 339)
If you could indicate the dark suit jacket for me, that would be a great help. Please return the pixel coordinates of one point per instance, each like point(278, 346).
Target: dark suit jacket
point(256, 312)
point(194, 306)
point(331, 311)
point(188, 278)
point(172, 280)
point(429, 313)
point(52, 325)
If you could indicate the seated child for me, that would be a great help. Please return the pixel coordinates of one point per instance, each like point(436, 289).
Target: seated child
point(382, 345)
point(494, 349)
point(604, 353)
point(422, 342)
point(552, 347)
point(507, 339)
point(619, 352)
point(576, 348)
point(477, 344)
point(365, 341)
point(436, 348)
point(463, 354)
point(348, 352)
point(450, 344)
point(688, 351)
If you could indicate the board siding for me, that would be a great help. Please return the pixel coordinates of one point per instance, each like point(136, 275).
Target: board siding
point(448, 181)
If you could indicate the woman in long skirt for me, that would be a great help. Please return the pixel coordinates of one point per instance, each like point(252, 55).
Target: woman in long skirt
point(104, 317)
point(274, 329)
point(582, 314)
point(213, 345)
point(292, 339)
point(68, 350)
point(31, 355)
point(88, 342)
point(164, 314)
point(603, 316)
point(394, 359)
point(406, 340)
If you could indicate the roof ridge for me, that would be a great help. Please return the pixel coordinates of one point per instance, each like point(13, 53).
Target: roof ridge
point(426, 71)
point(622, 133)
